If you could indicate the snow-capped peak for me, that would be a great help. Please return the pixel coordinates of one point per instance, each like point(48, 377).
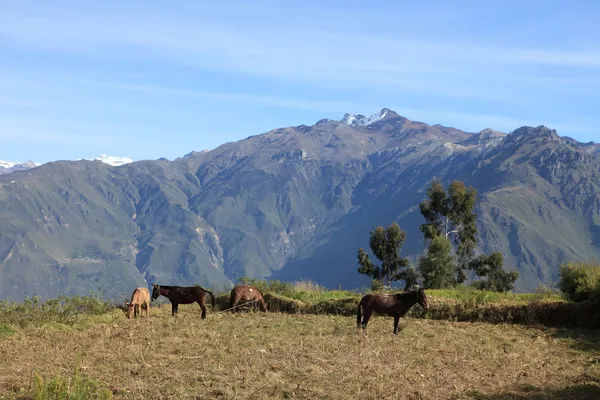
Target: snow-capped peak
point(361, 120)
point(114, 161)
point(7, 167)
point(7, 164)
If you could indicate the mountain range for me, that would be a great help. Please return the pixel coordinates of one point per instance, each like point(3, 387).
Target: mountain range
point(6, 167)
point(293, 203)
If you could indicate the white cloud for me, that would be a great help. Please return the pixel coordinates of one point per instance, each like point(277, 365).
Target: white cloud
point(286, 53)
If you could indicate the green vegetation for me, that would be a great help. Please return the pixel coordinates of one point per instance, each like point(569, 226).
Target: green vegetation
point(437, 265)
point(490, 267)
point(67, 311)
point(452, 215)
point(305, 290)
point(462, 303)
point(6, 330)
point(69, 388)
point(580, 281)
point(386, 245)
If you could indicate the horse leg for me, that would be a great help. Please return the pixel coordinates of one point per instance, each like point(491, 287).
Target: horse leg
point(365, 321)
point(396, 320)
point(174, 309)
point(236, 298)
point(203, 307)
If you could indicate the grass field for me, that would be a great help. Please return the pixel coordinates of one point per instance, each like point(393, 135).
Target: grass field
point(287, 356)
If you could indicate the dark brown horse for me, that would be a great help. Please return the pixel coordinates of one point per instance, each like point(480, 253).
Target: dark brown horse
point(247, 293)
point(183, 295)
point(392, 305)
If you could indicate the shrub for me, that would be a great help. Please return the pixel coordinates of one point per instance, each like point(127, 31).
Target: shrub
point(545, 290)
point(272, 286)
point(75, 388)
point(64, 310)
point(377, 286)
point(580, 281)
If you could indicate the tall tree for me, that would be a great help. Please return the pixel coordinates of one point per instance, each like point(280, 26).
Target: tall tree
point(385, 245)
point(490, 267)
point(452, 215)
point(437, 265)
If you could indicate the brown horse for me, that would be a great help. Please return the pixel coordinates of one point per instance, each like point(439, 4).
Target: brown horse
point(247, 293)
point(139, 298)
point(183, 295)
point(392, 305)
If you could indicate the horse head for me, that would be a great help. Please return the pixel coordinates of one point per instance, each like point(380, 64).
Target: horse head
point(155, 291)
point(128, 309)
point(263, 305)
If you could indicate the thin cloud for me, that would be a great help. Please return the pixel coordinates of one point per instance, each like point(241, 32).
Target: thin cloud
point(313, 55)
point(271, 101)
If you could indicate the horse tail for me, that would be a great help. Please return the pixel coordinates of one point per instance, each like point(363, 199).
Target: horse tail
point(358, 313)
point(212, 297)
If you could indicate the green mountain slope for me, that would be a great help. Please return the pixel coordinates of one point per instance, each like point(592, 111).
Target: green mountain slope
point(292, 203)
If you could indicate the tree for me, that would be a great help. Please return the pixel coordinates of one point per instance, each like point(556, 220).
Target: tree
point(437, 265)
point(490, 266)
point(452, 215)
point(385, 245)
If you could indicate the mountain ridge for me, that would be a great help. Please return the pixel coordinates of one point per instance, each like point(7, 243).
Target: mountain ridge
point(7, 167)
point(292, 203)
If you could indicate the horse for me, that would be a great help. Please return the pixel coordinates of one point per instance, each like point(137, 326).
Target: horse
point(392, 305)
point(183, 295)
point(139, 298)
point(247, 293)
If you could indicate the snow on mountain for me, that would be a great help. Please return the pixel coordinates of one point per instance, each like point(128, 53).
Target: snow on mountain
point(114, 161)
point(7, 164)
point(361, 120)
point(6, 167)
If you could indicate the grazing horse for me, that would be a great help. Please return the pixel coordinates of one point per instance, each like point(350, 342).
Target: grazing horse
point(247, 293)
point(392, 305)
point(183, 295)
point(139, 298)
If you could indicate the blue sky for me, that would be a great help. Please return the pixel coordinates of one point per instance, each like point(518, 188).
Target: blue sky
point(150, 79)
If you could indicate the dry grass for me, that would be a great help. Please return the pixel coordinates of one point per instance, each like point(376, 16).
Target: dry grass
point(279, 356)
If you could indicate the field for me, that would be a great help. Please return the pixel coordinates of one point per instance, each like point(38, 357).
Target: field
point(254, 355)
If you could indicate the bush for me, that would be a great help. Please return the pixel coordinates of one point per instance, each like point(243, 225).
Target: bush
point(377, 286)
point(580, 281)
point(63, 310)
point(76, 388)
point(545, 290)
point(272, 286)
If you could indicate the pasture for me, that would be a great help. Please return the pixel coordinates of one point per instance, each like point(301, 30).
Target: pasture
point(257, 355)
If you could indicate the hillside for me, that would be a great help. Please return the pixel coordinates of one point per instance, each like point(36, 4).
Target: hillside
point(291, 203)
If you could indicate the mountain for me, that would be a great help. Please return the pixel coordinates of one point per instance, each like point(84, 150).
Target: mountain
point(114, 161)
point(6, 167)
point(292, 203)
